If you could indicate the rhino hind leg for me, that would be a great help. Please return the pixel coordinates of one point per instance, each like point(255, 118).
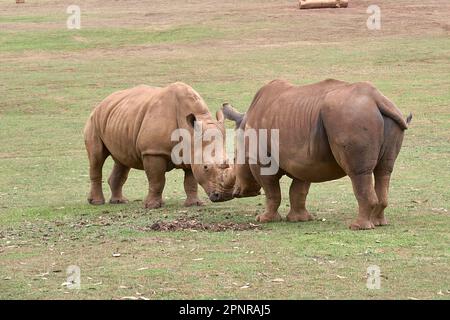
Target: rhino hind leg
point(297, 196)
point(367, 201)
point(116, 181)
point(382, 180)
point(155, 168)
point(394, 138)
point(191, 189)
point(359, 165)
point(97, 154)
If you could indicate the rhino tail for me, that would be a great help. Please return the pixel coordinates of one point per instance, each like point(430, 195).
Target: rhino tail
point(390, 110)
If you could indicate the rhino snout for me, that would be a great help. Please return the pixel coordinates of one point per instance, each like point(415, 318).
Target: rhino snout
point(220, 196)
point(214, 196)
point(238, 193)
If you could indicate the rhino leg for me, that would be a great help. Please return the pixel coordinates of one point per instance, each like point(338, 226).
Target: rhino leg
point(97, 154)
point(383, 170)
point(382, 189)
point(155, 168)
point(191, 189)
point(367, 201)
point(297, 196)
point(271, 187)
point(116, 181)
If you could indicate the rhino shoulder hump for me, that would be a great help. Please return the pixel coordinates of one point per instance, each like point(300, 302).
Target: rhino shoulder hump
point(365, 87)
point(188, 97)
point(331, 81)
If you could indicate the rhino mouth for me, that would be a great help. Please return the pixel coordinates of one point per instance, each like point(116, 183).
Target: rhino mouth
point(238, 194)
point(220, 197)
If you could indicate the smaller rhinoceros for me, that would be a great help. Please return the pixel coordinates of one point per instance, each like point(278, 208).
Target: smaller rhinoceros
point(327, 130)
point(134, 126)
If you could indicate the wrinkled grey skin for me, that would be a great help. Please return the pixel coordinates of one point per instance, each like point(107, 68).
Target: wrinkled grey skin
point(327, 130)
point(134, 127)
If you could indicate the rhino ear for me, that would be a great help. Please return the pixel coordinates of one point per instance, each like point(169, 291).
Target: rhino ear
point(231, 113)
point(219, 116)
point(190, 119)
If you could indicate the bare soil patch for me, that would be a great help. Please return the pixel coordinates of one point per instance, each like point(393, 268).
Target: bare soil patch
point(193, 224)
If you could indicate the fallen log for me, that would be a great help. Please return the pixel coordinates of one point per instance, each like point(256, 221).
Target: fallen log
point(313, 4)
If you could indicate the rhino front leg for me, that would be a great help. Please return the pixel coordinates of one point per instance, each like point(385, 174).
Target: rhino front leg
point(116, 181)
point(155, 168)
point(297, 196)
point(271, 187)
point(191, 189)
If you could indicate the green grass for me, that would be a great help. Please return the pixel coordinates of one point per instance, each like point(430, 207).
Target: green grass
point(50, 80)
point(68, 40)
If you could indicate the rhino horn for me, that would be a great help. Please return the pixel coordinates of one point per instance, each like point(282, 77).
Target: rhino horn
point(231, 113)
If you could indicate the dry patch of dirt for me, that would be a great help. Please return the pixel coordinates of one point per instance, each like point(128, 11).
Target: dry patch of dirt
point(193, 224)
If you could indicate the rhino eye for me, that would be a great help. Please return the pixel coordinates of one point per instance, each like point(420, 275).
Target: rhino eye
point(205, 167)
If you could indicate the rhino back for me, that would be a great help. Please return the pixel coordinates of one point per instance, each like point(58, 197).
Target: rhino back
point(139, 121)
point(130, 120)
point(295, 110)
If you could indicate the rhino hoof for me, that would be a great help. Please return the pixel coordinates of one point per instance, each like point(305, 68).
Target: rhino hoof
point(153, 204)
point(118, 201)
point(379, 222)
point(96, 202)
point(299, 216)
point(362, 225)
point(268, 217)
point(193, 202)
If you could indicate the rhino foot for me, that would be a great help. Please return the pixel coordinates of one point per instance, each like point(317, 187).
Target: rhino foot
point(193, 202)
point(299, 216)
point(118, 200)
point(379, 221)
point(362, 225)
point(96, 202)
point(153, 204)
point(268, 217)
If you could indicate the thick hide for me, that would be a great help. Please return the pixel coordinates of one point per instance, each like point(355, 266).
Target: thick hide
point(327, 130)
point(134, 126)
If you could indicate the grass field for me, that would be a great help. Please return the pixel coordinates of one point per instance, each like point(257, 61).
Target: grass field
point(52, 77)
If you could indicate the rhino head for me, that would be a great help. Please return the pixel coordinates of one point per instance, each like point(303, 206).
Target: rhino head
point(239, 176)
point(213, 172)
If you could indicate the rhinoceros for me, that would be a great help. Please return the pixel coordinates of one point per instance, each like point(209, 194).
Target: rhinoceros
point(327, 130)
point(134, 127)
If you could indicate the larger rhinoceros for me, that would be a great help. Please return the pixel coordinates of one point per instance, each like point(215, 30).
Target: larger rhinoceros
point(327, 130)
point(134, 126)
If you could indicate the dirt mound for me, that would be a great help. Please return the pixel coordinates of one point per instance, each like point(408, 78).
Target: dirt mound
point(193, 224)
